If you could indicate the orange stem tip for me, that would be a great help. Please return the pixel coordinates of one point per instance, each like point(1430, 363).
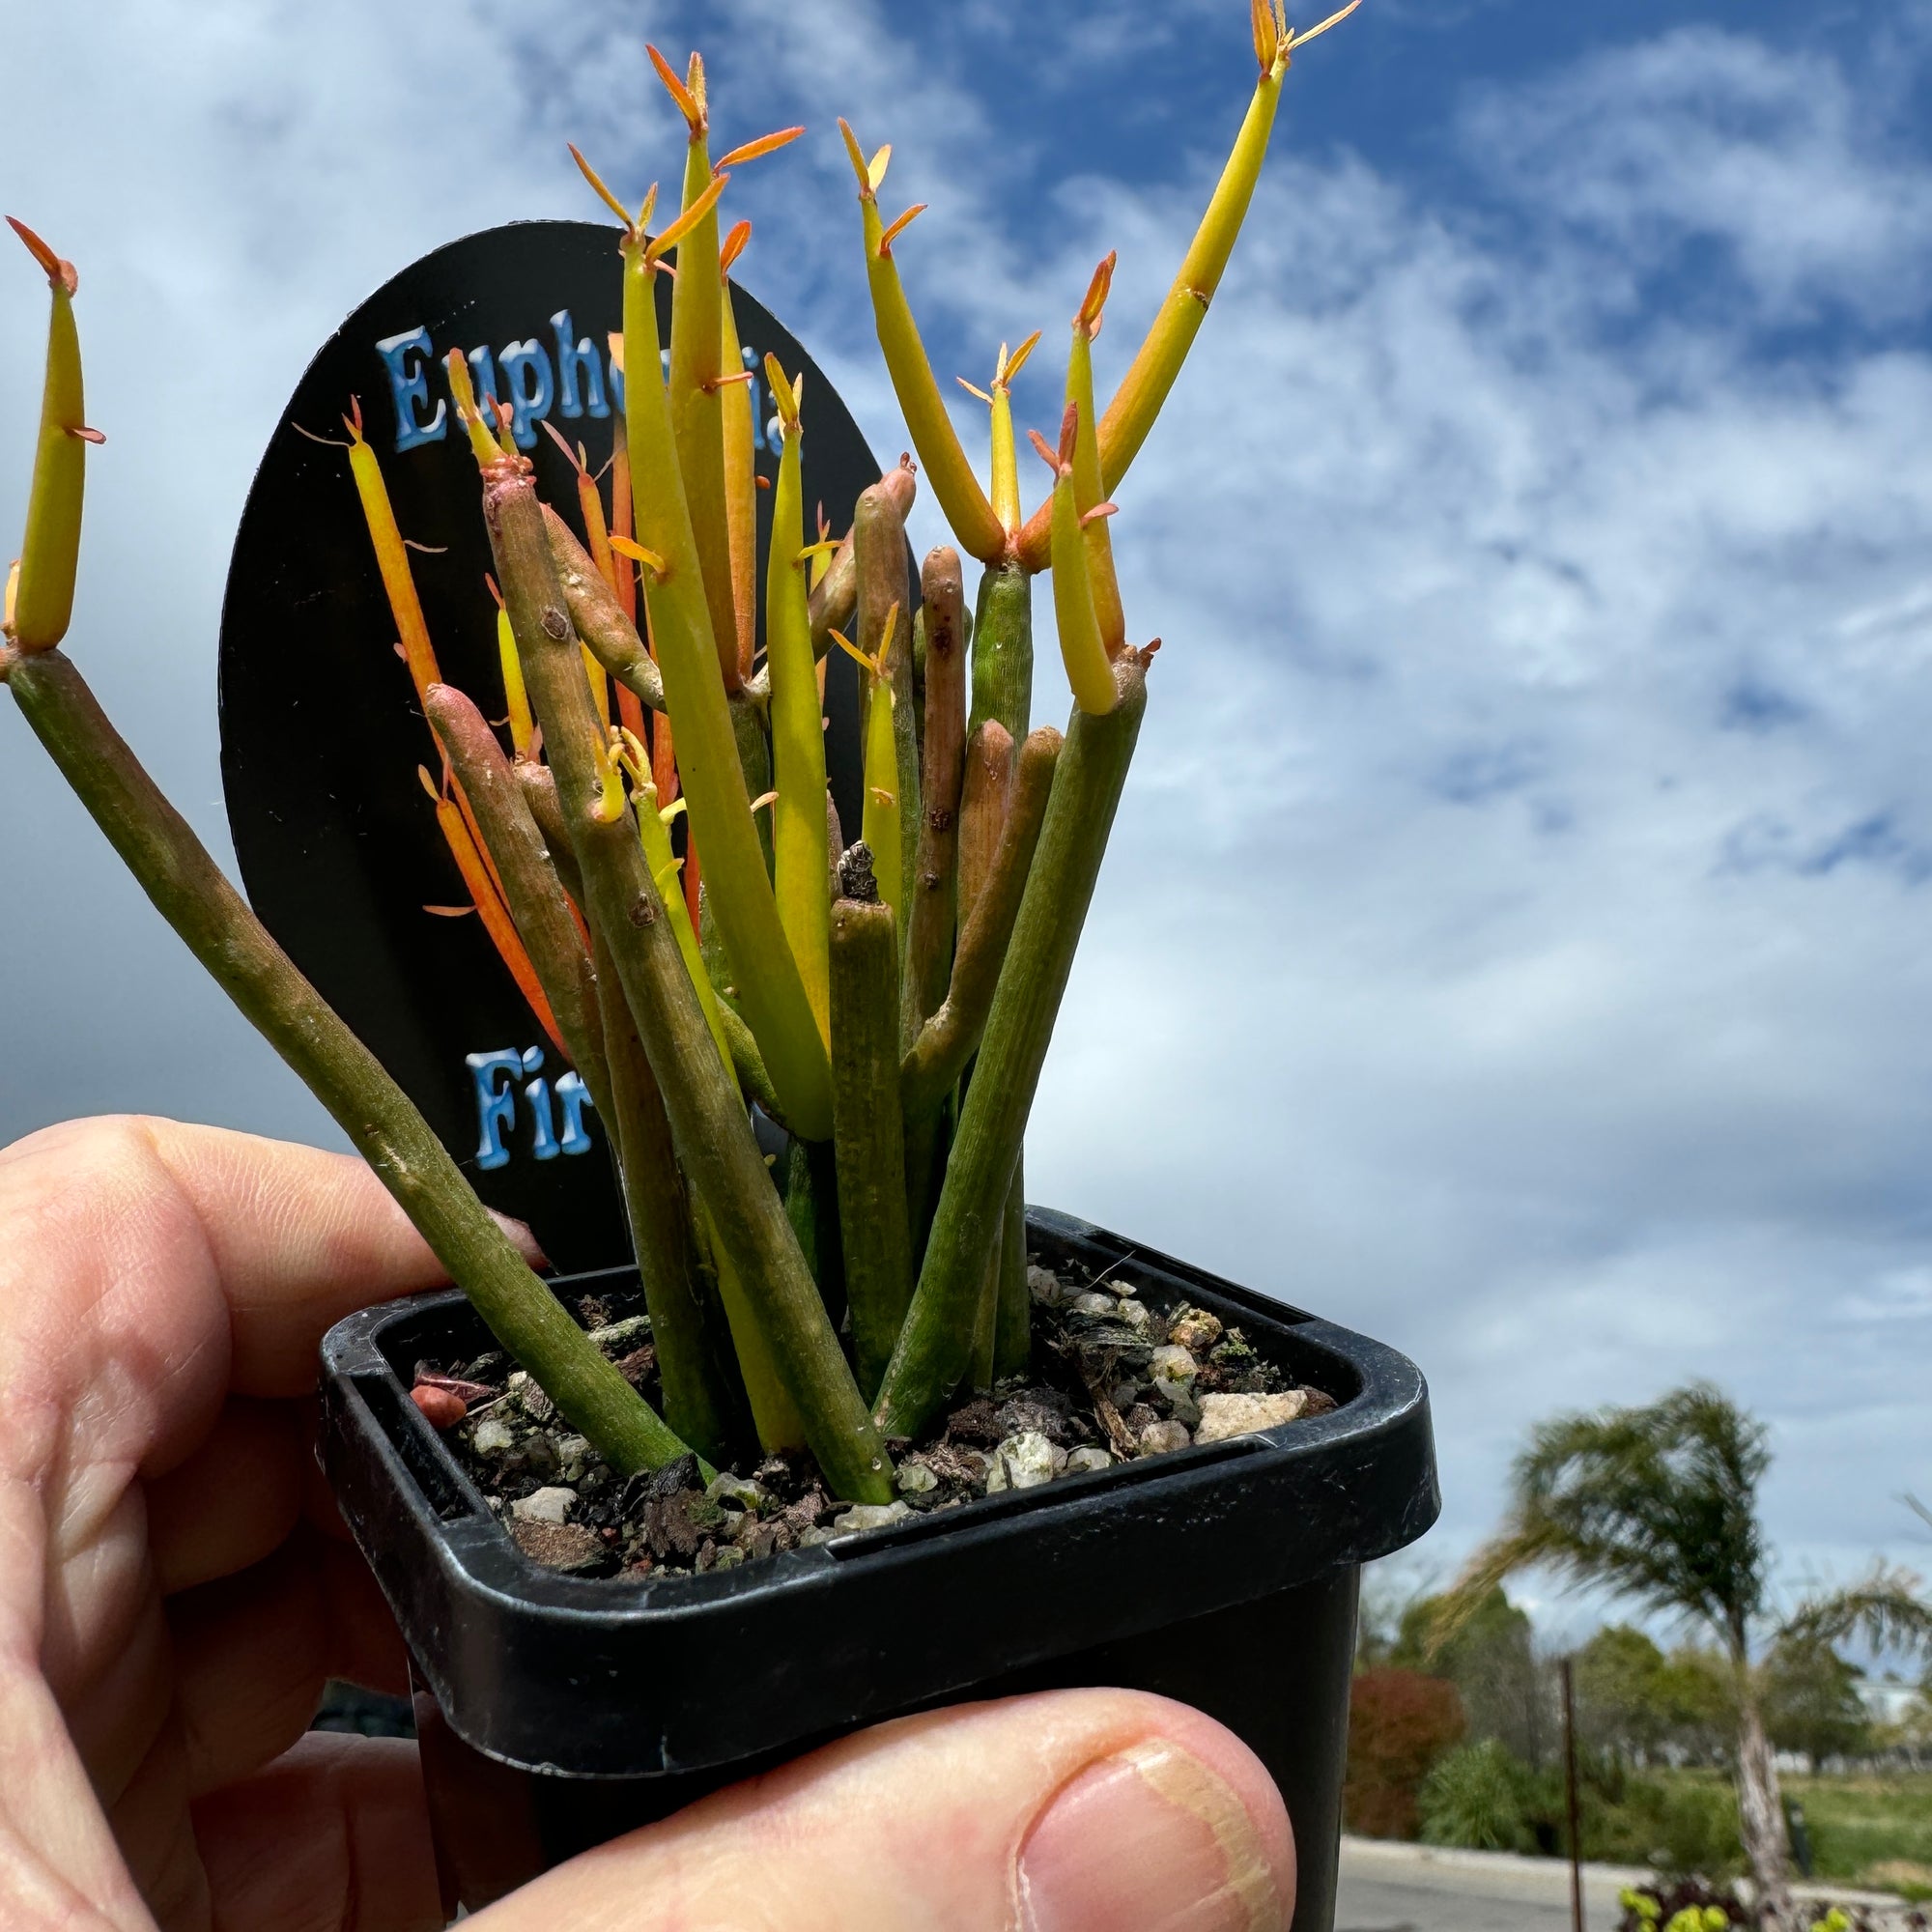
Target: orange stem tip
point(1087, 317)
point(765, 144)
point(1294, 40)
point(637, 553)
point(734, 242)
point(853, 652)
point(1265, 23)
point(1010, 366)
point(56, 269)
point(576, 458)
point(687, 222)
point(899, 226)
point(786, 397)
point(603, 193)
point(689, 104)
point(1045, 451)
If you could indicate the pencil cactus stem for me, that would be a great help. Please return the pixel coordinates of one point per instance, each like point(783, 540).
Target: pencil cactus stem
point(1150, 375)
point(698, 326)
point(741, 482)
point(532, 893)
point(480, 882)
point(772, 995)
point(1089, 669)
point(190, 892)
point(40, 602)
point(879, 823)
point(655, 837)
point(598, 618)
point(1136, 404)
point(715, 1143)
point(1002, 651)
point(700, 1398)
point(538, 785)
point(392, 559)
point(1087, 493)
point(835, 587)
point(983, 795)
point(483, 446)
point(773, 1414)
point(800, 858)
point(930, 1356)
point(867, 1134)
point(962, 501)
point(931, 890)
point(943, 1047)
point(885, 634)
point(516, 700)
point(1013, 1322)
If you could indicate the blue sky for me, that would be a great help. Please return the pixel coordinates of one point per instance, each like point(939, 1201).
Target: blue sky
point(1515, 941)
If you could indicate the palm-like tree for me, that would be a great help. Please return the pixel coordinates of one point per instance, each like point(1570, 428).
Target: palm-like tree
point(1659, 1504)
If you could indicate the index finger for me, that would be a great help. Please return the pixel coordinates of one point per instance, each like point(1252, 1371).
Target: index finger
point(192, 1261)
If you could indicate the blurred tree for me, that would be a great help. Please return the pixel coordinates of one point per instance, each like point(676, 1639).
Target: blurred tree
point(1490, 1658)
point(1811, 1702)
point(1400, 1724)
point(1623, 1695)
point(1660, 1504)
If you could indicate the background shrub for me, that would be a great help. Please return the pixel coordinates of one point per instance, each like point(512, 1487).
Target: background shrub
point(1400, 1724)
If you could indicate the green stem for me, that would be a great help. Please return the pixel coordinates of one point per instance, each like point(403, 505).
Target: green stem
point(699, 1400)
point(599, 618)
point(932, 1346)
point(696, 403)
point(865, 1129)
point(530, 885)
point(801, 853)
point(538, 785)
point(834, 597)
point(1002, 651)
point(713, 1134)
point(771, 994)
point(982, 810)
point(188, 889)
point(949, 1040)
point(879, 545)
point(1012, 1333)
point(754, 760)
point(929, 885)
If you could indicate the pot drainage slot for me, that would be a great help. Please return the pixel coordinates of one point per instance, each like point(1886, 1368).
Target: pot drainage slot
point(402, 1423)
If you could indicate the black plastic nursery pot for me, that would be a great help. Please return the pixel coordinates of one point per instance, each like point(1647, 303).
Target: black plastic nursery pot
point(556, 1712)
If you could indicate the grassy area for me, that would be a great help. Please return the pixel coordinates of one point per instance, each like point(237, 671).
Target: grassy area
point(1859, 1825)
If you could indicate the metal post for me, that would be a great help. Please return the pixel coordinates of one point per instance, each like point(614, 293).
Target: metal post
point(1569, 1787)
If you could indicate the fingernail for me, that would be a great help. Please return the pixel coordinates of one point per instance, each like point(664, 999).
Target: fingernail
point(1151, 1840)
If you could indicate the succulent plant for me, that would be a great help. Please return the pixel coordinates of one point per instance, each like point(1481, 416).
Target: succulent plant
point(889, 1004)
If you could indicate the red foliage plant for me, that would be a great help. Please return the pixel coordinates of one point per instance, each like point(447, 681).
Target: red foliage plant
point(1400, 1723)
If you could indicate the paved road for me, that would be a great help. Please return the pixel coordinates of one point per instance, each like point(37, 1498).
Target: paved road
point(1390, 1887)
point(1400, 1890)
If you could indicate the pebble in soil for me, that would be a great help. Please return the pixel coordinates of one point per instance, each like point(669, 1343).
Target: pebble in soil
point(1113, 1381)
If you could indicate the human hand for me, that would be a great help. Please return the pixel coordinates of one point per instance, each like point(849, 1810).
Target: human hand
point(175, 1586)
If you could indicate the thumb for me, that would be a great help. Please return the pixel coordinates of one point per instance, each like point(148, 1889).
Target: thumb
point(1071, 1811)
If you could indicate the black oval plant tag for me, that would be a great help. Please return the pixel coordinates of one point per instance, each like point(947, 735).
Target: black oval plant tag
point(322, 735)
